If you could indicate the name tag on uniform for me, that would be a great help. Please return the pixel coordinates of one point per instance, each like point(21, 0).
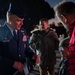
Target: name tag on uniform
point(6, 40)
point(24, 38)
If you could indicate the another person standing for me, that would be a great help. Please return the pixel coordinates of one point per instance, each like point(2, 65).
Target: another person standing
point(13, 46)
point(64, 50)
point(45, 40)
point(65, 12)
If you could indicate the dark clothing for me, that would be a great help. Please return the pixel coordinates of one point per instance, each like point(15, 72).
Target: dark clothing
point(63, 67)
point(11, 50)
point(46, 43)
point(44, 69)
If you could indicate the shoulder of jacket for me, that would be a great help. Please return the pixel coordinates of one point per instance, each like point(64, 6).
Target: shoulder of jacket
point(50, 29)
point(35, 31)
point(1, 28)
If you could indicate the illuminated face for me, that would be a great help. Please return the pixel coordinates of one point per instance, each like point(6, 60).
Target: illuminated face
point(63, 20)
point(44, 25)
point(16, 22)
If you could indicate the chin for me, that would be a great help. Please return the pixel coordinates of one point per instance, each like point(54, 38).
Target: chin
point(18, 28)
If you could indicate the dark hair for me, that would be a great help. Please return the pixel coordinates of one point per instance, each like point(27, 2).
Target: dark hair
point(16, 9)
point(65, 8)
point(43, 19)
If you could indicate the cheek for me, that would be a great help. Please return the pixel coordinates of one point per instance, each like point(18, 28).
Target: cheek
point(16, 25)
point(46, 26)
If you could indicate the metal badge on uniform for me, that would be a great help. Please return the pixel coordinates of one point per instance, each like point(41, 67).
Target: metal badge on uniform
point(22, 31)
point(24, 38)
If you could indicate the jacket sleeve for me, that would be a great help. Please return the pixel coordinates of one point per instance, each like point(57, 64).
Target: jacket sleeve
point(33, 42)
point(29, 52)
point(4, 60)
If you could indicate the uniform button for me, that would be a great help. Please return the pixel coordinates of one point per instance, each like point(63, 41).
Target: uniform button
point(19, 55)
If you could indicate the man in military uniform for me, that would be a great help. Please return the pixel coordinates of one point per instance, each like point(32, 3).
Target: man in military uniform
point(13, 45)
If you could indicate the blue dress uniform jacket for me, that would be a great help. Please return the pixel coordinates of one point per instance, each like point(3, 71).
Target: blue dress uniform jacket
point(11, 50)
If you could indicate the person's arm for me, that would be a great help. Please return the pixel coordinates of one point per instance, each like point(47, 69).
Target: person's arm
point(3, 59)
point(8, 61)
point(31, 52)
point(32, 42)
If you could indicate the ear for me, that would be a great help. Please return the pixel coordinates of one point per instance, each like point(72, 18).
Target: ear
point(64, 18)
point(10, 18)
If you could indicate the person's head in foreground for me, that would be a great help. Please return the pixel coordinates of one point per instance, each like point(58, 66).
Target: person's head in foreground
point(15, 16)
point(65, 12)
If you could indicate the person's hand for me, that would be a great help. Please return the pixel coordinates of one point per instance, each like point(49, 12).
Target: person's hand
point(19, 66)
point(37, 59)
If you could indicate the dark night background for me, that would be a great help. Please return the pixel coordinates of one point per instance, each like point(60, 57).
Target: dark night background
point(34, 11)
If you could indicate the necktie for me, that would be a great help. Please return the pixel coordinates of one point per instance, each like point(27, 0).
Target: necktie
point(16, 35)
